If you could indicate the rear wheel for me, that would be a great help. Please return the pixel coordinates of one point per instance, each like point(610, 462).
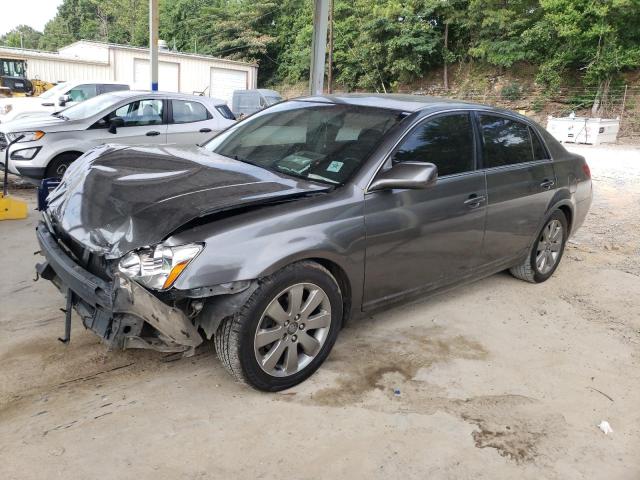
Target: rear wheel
point(59, 165)
point(285, 330)
point(546, 251)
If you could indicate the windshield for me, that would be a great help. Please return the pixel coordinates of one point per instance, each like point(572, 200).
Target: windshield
point(51, 93)
point(271, 100)
point(314, 141)
point(88, 108)
point(13, 68)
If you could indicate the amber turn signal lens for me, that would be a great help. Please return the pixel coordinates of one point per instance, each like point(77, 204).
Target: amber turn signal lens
point(175, 273)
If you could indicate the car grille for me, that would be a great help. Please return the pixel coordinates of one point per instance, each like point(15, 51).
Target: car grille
point(92, 262)
point(3, 142)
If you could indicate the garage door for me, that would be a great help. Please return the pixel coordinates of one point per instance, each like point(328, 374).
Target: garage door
point(224, 81)
point(168, 75)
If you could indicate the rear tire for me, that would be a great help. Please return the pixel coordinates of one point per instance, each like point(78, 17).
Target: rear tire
point(59, 165)
point(299, 338)
point(546, 252)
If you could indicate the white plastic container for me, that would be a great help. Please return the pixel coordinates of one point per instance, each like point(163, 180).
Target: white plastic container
point(584, 129)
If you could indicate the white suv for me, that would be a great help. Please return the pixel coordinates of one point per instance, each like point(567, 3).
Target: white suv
point(50, 143)
point(64, 94)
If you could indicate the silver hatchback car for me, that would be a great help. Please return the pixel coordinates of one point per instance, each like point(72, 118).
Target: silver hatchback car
point(51, 142)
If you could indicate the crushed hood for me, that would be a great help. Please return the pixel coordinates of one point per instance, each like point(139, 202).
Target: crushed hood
point(115, 199)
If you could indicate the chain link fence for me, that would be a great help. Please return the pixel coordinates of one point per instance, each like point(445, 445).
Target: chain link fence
point(620, 102)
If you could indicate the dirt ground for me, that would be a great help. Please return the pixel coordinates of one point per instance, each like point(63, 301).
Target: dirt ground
point(499, 379)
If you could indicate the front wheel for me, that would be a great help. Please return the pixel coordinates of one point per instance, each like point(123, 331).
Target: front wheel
point(285, 330)
point(546, 251)
point(60, 164)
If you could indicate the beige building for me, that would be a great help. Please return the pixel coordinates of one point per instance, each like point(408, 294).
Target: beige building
point(177, 72)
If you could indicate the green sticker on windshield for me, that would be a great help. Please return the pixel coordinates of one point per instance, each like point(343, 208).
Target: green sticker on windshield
point(334, 167)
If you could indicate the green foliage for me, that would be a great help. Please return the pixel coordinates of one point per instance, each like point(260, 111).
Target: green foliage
point(23, 36)
point(512, 92)
point(378, 44)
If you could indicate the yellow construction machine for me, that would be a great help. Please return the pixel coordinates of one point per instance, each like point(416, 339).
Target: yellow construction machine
point(14, 81)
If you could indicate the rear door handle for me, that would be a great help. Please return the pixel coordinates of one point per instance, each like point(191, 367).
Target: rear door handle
point(205, 130)
point(474, 200)
point(153, 133)
point(547, 184)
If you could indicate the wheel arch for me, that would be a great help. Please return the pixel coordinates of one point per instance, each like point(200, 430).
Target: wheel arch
point(337, 267)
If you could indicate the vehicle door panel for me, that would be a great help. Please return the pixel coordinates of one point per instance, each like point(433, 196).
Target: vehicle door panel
point(421, 239)
point(144, 124)
point(191, 123)
point(519, 192)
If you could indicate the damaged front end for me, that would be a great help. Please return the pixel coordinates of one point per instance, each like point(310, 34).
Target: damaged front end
point(127, 315)
point(104, 236)
point(123, 313)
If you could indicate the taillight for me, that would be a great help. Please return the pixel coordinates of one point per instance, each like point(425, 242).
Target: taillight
point(586, 169)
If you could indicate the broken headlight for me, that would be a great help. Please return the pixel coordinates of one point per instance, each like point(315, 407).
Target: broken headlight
point(158, 267)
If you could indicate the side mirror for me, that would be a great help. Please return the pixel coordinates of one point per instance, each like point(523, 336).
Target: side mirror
point(115, 123)
point(412, 175)
point(62, 101)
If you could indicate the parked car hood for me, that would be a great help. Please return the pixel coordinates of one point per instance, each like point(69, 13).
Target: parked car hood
point(115, 199)
point(27, 105)
point(40, 121)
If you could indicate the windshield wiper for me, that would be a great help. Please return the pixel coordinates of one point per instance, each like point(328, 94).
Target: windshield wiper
point(59, 115)
point(244, 160)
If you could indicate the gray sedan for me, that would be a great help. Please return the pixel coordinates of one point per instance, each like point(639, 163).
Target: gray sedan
point(313, 211)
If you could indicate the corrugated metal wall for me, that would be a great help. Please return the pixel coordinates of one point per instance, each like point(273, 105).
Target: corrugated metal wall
point(55, 70)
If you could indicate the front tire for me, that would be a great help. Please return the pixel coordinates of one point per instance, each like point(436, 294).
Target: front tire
point(546, 252)
point(286, 329)
point(59, 165)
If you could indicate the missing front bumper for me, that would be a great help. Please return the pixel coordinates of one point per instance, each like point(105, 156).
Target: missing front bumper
point(122, 313)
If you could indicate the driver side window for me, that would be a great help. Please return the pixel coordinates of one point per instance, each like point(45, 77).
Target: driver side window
point(140, 113)
point(446, 141)
point(82, 93)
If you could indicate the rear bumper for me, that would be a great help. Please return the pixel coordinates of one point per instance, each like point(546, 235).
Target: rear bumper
point(122, 313)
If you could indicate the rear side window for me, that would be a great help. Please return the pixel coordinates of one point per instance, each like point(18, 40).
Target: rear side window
point(539, 152)
point(188, 111)
point(445, 141)
point(225, 112)
point(110, 87)
point(505, 141)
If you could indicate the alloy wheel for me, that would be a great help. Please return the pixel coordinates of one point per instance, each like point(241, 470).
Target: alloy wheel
point(292, 329)
point(549, 246)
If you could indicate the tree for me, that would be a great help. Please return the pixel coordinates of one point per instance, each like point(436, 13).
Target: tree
point(22, 36)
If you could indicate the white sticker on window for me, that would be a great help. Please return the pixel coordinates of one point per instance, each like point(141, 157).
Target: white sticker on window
point(334, 167)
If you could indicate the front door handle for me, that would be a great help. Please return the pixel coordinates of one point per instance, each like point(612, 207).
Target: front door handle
point(547, 184)
point(153, 133)
point(205, 130)
point(474, 200)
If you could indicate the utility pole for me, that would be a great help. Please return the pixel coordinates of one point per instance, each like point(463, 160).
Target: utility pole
point(330, 62)
point(318, 46)
point(154, 20)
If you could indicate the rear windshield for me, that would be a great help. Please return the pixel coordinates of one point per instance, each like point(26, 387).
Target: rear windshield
point(314, 141)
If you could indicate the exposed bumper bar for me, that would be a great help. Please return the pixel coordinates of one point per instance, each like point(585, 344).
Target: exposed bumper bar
point(116, 310)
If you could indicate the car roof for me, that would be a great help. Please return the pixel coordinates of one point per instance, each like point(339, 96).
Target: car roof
point(180, 96)
point(92, 82)
point(394, 101)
